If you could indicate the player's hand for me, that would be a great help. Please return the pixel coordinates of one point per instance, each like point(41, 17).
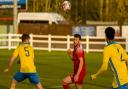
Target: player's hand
point(6, 70)
point(76, 78)
point(93, 76)
point(69, 51)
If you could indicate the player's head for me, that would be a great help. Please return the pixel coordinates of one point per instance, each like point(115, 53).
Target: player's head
point(25, 38)
point(77, 39)
point(110, 33)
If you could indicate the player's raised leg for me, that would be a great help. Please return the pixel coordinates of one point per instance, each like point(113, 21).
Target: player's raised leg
point(13, 84)
point(66, 81)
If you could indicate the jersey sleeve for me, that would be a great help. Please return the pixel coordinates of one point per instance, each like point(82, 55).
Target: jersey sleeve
point(106, 57)
point(80, 53)
point(16, 52)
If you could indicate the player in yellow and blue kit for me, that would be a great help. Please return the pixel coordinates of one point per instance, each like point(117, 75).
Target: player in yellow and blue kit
point(115, 55)
point(27, 67)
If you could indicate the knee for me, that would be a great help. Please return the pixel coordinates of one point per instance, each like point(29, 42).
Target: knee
point(64, 82)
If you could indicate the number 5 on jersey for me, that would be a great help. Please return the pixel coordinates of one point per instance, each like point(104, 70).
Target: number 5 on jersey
point(26, 51)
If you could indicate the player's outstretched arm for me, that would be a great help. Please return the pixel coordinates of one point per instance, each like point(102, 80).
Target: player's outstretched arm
point(104, 66)
point(102, 69)
point(12, 59)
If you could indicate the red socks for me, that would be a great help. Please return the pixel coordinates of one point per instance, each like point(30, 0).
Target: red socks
point(66, 86)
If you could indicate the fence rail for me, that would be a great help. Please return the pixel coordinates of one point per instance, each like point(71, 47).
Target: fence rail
point(58, 43)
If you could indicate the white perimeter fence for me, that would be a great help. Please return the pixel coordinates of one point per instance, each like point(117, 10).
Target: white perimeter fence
point(58, 43)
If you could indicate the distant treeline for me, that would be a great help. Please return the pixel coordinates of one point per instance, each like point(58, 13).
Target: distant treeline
point(83, 10)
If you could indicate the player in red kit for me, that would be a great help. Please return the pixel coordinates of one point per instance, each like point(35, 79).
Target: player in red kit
point(79, 65)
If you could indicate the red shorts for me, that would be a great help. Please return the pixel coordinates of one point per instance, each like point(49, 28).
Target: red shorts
point(80, 78)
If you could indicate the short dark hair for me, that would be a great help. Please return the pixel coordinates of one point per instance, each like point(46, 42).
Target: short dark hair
point(24, 37)
point(110, 33)
point(77, 36)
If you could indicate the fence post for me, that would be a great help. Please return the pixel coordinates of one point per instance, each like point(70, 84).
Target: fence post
point(31, 39)
point(126, 44)
point(87, 43)
point(9, 41)
point(49, 42)
point(68, 41)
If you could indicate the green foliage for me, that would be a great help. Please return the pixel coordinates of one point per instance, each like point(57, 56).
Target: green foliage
point(82, 10)
point(122, 10)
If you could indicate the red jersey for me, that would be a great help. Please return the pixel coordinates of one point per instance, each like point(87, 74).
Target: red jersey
point(78, 53)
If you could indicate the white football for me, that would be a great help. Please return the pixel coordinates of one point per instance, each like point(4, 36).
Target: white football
point(66, 5)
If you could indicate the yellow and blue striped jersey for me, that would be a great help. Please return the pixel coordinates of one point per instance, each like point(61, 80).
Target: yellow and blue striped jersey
point(26, 55)
point(115, 55)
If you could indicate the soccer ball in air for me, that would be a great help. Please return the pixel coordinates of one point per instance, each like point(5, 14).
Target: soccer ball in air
point(66, 5)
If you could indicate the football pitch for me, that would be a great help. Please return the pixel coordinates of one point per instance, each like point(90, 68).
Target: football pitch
point(52, 67)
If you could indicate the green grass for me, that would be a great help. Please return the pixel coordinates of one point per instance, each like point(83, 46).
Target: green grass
point(52, 68)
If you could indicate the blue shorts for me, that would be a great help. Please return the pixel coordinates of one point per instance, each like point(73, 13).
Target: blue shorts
point(125, 86)
point(33, 77)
